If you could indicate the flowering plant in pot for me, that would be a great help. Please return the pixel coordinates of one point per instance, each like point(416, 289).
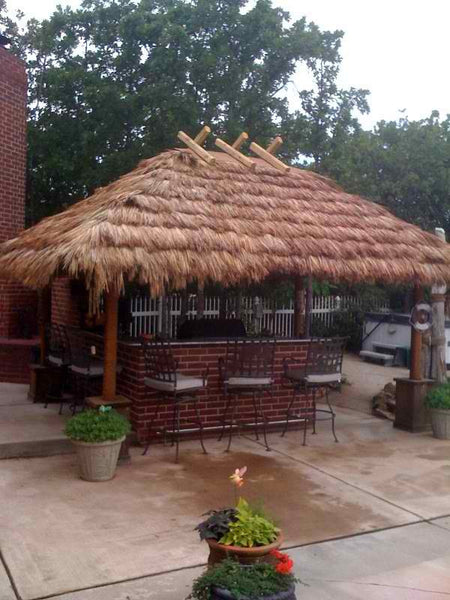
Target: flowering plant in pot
point(243, 532)
point(230, 580)
point(438, 402)
point(97, 436)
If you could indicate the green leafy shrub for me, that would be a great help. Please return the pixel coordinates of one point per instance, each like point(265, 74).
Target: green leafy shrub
point(97, 426)
point(242, 581)
point(250, 528)
point(439, 397)
point(217, 524)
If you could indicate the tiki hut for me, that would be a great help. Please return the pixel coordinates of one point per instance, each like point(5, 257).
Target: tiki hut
point(188, 214)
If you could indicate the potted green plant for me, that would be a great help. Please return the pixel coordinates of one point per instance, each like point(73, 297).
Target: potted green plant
point(97, 436)
point(438, 402)
point(231, 580)
point(243, 532)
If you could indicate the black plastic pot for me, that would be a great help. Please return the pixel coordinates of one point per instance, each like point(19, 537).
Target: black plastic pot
point(221, 594)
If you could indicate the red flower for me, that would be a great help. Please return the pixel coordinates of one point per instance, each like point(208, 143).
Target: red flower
point(285, 565)
point(277, 554)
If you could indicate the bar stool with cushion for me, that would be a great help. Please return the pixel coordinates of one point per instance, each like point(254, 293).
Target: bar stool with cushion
point(321, 371)
point(247, 369)
point(163, 376)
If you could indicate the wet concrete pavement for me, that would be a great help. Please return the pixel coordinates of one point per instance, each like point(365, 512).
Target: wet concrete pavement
point(59, 534)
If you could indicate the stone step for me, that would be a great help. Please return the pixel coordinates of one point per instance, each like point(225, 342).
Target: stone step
point(386, 359)
point(32, 448)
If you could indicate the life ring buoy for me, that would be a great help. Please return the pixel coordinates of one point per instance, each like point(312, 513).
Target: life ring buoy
point(420, 318)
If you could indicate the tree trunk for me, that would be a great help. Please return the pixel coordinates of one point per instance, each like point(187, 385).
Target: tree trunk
point(438, 362)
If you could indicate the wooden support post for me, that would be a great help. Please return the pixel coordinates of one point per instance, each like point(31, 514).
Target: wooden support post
point(308, 306)
point(164, 312)
point(184, 305)
point(416, 342)
point(238, 307)
point(110, 346)
point(44, 319)
point(299, 307)
point(200, 300)
point(438, 362)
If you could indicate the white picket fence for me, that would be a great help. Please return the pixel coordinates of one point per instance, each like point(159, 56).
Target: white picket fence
point(258, 314)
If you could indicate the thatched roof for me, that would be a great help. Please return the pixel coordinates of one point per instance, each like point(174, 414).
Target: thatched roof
point(175, 218)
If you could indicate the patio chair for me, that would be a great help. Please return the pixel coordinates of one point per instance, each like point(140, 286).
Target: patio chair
point(163, 376)
point(58, 359)
point(321, 371)
point(85, 368)
point(247, 368)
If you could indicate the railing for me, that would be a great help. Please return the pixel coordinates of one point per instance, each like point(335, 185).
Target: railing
point(258, 314)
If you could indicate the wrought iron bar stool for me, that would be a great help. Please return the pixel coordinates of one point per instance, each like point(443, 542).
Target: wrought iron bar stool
point(163, 376)
point(322, 370)
point(84, 366)
point(58, 358)
point(247, 368)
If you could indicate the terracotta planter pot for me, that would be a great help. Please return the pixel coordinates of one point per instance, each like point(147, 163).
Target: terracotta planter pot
point(246, 556)
point(221, 594)
point(97, 462)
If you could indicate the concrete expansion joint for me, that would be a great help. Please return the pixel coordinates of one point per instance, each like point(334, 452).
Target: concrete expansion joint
point(9, 575)
point(60, 595)
point(383, 585)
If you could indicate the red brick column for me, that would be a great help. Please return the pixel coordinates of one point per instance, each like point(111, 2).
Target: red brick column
point(65, 303)
point(13, 96)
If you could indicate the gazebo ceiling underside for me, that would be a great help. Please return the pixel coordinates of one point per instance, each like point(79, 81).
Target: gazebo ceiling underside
point(174, 219)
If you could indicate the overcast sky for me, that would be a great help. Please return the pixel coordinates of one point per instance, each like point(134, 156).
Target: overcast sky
point(398, 49)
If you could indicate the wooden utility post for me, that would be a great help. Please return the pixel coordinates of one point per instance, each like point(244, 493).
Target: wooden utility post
point(110, 349)
point(299, 307)
point(416, 342)
point(438, 361)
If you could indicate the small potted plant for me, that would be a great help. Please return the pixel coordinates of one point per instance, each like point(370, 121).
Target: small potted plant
point(97, 436)
point(438, 402)
point(244, 533)
point(231, 580)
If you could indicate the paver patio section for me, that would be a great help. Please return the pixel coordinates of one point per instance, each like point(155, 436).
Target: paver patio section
point(62, 534)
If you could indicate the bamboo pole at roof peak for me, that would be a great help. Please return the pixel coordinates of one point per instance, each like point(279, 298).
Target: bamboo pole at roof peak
point(198, 150)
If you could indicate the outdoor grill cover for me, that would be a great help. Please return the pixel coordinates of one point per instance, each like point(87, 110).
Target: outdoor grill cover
point(211, 328)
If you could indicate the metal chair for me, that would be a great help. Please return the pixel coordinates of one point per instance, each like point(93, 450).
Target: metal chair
point(322, 370)
point(58, 359)
point(84, 367)
point(164, 377)
point(247, 368)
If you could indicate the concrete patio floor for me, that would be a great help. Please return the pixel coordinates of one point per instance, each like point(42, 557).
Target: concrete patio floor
point(60, 535)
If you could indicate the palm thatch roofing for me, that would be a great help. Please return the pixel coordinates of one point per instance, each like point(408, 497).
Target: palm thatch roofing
point(175, 219)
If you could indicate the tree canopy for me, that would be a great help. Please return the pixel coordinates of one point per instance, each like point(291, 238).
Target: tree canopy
point(114, 80)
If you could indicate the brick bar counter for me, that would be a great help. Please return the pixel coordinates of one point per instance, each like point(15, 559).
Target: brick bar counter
point(194, 357)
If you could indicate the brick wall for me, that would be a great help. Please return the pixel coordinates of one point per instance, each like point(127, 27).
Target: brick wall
point(14, 299)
